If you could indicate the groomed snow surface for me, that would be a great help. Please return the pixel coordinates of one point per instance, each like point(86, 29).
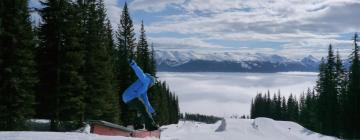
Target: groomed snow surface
point(235, 129)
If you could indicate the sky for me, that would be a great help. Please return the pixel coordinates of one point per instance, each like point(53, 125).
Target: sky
point(293, 28)
point(227, 94)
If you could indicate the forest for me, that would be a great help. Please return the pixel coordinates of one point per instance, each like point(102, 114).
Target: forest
point(73, 67)
point(331, 108)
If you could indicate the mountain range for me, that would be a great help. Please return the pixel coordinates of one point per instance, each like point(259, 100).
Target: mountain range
point(191, 61)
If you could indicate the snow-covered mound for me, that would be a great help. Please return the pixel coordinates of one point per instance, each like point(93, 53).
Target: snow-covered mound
point(244, 129)
point(235, 129)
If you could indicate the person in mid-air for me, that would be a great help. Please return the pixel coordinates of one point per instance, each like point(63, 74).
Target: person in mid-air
point(136, 97)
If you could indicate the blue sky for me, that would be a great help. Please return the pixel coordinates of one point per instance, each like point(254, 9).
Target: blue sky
point(293, 28)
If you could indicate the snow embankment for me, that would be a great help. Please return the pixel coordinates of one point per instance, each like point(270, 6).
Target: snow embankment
point(245, 129)
point(233, 129)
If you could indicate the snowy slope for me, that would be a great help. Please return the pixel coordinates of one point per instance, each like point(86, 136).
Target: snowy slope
point(60, 136)
point(235, 129)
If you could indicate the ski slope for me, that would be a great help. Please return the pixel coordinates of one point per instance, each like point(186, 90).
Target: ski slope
point(245, 129)
point(234, 129)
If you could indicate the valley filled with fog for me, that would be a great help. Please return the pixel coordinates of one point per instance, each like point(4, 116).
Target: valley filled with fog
point(228, 93)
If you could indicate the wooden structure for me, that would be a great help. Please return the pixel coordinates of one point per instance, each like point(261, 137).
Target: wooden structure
point(110, 129)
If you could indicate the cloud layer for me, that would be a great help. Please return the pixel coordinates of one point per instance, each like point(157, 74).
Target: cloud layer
point(305, 25)
point(231, 93)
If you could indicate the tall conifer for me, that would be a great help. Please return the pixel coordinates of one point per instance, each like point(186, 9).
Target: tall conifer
point(17, 65)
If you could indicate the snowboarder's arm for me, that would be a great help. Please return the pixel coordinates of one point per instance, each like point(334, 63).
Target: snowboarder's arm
point(146, 102)
point(139, 73)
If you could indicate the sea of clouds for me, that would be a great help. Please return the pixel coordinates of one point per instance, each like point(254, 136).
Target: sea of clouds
point(226, 94)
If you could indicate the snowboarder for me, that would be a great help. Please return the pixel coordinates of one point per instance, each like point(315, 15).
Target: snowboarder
point(138, 92)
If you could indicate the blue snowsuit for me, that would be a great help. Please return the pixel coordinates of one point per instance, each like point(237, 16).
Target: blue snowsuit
point(139, 88)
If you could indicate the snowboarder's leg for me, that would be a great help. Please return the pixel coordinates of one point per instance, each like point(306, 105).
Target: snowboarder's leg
point(141, 116)
point(149, 120)
point(134, 109)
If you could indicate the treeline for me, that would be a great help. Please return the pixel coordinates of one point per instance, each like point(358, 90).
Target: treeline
point(332, 108)
point(200, 118)
point(166, 104)
point(72, 68)
point(275, 107)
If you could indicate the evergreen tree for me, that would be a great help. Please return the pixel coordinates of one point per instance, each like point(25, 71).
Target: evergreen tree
point(142, 51)
point(328, 96)
point(353, 101)
point(113, 111)
point(284, 115)
point(277, 107)
point(252, 109)
point(308, 110)
point(17, 65)
point(292, 109)
point(100, 97)
point(303, 111)
point(125, 51)
point(340, 79)
point(61, 57)
point(152, 61)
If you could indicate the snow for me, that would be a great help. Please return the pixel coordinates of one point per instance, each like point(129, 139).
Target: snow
point(258, 129)
point(174, 58)
point(235, 129)
point(25, 135)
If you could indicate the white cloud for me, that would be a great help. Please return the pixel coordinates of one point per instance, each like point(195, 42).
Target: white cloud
point(113, 11)
point(296, 22)
point(153, 5)
point(307, 26)
point(231, 93)
point(185, 43)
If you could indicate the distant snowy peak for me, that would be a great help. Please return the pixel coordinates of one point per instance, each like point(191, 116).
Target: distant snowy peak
point(310, 60)
point(175, 58)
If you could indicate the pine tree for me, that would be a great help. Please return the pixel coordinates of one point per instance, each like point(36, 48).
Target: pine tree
point(125, 51)
point(252, 109)
point(61, 57)
point(303, 111)
point(100, 97)
point(353, 105)
point(113, 111)
point(152, 61)
point(71, 83)
point(284, 115)
point(328, 96)
point(340, 79)
point(278, 106)
point(17, 65)
point(292, 109)
point(142, 51)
